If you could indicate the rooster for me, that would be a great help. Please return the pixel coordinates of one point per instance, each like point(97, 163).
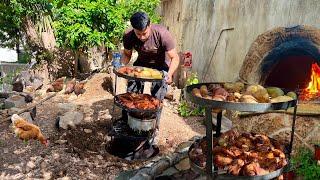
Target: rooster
point(70, 86)
point(57, 85)
point(25, 130)
point(78, 88)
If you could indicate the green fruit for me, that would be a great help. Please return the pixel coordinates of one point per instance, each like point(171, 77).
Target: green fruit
point(275, 92)
point(292, 94)
point(281, 99)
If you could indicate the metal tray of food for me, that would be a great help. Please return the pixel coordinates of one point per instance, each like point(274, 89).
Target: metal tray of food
point(223, 175)
point(119, 104)
point(147, 79)
point(240, 106)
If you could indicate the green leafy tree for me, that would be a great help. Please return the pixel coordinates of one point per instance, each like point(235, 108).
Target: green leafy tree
point(81, 24)
point(77, 24)
point(17, 18)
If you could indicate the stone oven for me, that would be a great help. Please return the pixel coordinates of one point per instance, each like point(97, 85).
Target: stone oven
point(283, 57)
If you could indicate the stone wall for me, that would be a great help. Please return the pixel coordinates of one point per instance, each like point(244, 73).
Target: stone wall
point(197, 25)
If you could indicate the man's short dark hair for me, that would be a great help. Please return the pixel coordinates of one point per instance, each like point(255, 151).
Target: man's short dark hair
point(140, 20)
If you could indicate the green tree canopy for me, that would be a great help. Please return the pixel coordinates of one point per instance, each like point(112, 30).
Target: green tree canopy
point(87, 23)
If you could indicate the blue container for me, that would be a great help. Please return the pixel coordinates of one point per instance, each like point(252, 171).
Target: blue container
point(116, 59)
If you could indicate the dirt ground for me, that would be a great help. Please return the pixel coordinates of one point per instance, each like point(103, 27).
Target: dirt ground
point(79, 153)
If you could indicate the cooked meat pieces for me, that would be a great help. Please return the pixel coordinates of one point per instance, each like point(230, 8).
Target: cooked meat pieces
point(253, 169)
point(235, 167)
point(222, 160)
point(247, 154)
point(139, 101)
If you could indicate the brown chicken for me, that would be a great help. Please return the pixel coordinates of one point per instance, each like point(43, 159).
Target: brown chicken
point(57, 85)
point(70, 86)
point(26, 131)
point(78, 88)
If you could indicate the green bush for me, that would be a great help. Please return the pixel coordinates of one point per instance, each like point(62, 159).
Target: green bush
point(306, 166)
point(186, 108)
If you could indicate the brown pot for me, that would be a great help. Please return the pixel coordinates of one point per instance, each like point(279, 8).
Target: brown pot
point(317, 152)
point(289, 175)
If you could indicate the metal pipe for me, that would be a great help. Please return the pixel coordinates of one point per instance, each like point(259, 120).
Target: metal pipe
point(204, 75)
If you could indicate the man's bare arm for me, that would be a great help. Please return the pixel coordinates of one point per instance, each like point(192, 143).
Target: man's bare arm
point(174, 57)
point(126, 56)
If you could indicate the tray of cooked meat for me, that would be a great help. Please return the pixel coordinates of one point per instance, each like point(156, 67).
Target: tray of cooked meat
point(139, 73)
point(134, 102)
point(240, 96)
point(240, 156)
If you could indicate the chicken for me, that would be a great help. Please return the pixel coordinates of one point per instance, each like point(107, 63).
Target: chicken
point(253, 169)
point(70, 86)
point(26, 131)
point(235, 167)
point(222, 160)
point(78, 88)
point(139, 101)
point(57, 85)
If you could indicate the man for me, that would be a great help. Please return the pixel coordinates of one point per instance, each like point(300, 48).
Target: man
point(152, 42)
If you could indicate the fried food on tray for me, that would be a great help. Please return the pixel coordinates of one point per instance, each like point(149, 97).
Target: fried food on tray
point(245, 154)
point(140, 72)
point(139, 101)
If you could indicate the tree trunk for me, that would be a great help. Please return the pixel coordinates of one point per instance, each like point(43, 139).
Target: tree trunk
point(76, 60)
point(33, 39)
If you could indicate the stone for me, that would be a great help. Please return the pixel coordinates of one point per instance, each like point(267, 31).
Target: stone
point(126, 175)
point(60, 141)
point(99, 157)
point(29, 89)
point(28, 97)
point(47, 175)
point(17, 86)
point(31, 164)
point(64, 107)
point(88, 131)
point(27, 116)
point(56, 156)
point(37, 83)
point(170, 171)
point(70, 119)
point(14, 101)
point(183, 164)
point(183, 147)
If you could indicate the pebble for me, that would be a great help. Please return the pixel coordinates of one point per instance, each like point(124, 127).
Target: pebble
point(19, 151)
point(183, 146)
point(47, 175)
point(183, 165)
point(99, 157)
point(60, 141)
point(31, 164)
point(88, 131)
point(55, 156)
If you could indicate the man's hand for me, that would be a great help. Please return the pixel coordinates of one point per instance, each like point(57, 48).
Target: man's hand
point(169, 79)
point(126, 56)
point(173, 55)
